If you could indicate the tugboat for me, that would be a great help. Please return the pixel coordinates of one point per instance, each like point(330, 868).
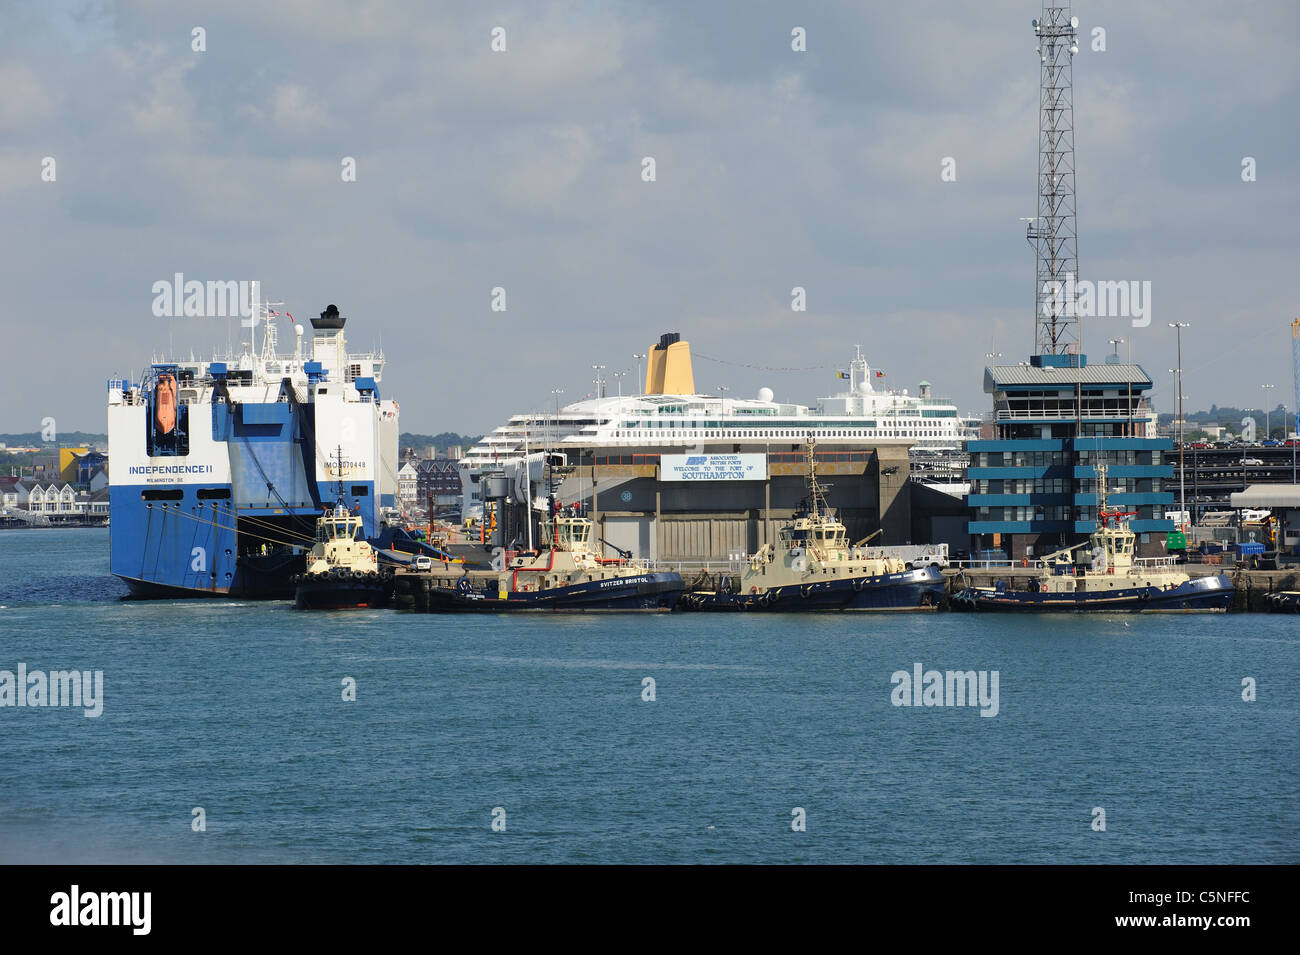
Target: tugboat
point(566, 575)
point(343, 570)
point(814, 567)
point(1105, 578)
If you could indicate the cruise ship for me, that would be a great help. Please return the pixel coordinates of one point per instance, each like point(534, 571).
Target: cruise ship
point(672, 417)
point(219, 468)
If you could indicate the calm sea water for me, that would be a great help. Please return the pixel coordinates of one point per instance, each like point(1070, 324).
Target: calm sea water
point(237, 708)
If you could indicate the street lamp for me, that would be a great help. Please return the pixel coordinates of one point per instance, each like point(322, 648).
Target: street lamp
point(1182, 477)
point(618, 376)
point(1268, 431)
point(600, 392)
point(555, 393)
point(638, 359)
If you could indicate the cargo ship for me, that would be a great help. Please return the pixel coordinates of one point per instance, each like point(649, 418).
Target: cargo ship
point(221, 468)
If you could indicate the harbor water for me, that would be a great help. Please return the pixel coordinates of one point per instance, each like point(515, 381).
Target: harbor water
point(543, 725)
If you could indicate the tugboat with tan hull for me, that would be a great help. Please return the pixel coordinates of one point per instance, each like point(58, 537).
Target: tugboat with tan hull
point(814, 567)
point(1107, 577)
point(343, 570)
point(565, 575)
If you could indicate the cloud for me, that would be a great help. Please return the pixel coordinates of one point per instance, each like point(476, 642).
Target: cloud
point(522, 169)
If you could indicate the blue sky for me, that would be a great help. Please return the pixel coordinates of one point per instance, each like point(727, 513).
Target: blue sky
point(522, 169)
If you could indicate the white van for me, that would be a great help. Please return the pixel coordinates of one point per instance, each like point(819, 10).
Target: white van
point(422, 563)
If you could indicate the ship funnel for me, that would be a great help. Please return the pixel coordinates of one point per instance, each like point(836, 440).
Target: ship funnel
point(669, 369)
point(330, 319)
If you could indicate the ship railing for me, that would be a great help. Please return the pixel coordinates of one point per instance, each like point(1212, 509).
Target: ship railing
point(1065, 411)
point(1155, 561)
point(691, 568)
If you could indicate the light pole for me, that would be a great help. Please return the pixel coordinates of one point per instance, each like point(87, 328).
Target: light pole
point(1173, 402)
point(638, 359)
point(1268, 431)
point(1182, 476)
point(618, 376)
point(555, 393)
point(600, 391)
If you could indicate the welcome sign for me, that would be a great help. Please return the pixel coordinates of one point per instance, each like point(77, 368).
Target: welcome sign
point(713, 467)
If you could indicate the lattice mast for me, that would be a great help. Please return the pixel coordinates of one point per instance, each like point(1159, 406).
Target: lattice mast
point(1053, 233)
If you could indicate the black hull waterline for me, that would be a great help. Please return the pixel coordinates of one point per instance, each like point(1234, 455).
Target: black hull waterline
point(913, 590)
point(647, 593)
point(1203, 595)
point(343, 592)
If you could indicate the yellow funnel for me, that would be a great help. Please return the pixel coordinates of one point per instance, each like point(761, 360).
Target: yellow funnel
point(669, 369)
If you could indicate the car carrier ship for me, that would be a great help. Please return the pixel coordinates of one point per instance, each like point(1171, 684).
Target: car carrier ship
point(221, 468)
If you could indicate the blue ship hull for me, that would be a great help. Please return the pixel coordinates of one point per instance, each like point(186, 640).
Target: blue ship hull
point(910, 590)
point(649, 592)
point(243, 538)
point(1201, 594)
point(200, 547)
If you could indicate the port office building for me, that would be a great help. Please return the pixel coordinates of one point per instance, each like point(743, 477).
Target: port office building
point(1033, 482)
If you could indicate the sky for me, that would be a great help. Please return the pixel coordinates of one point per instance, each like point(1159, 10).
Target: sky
point(522, 169)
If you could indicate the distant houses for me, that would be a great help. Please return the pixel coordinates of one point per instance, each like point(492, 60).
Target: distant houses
point(428, 481)
point(69, 486)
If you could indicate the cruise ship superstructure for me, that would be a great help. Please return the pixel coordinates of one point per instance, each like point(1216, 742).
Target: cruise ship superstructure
point(672, 417)
point(220, 468)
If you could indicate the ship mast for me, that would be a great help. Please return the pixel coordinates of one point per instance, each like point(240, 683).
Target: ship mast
point(1100, 470)
point(816, 493)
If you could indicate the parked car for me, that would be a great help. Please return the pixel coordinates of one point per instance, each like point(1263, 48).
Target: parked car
point(1251, 461)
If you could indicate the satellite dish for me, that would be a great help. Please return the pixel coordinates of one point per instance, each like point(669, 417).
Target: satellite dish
point(1074, 22)
point(766, 394)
